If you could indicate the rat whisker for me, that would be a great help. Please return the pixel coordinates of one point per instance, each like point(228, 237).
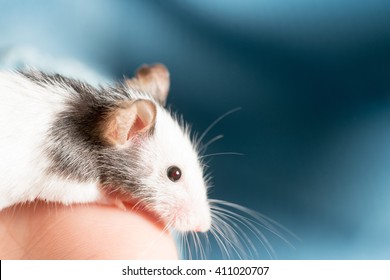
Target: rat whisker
point(258, 219)
point(195, 239)
point(253, 222)
point(198, 245)
point(188, 247)
point(235, 233)
point(179, 237)
point(202, 248)
point(214, 139)
point(225, 234)
point(207, 244)
point(215, 122)
point(226, 239)
point(269, 223)
point(221, 154)
point(184, 245)
point(239, 222)
point(229, 232)
point(235, 230)
point(194, 245)
point(215, 233)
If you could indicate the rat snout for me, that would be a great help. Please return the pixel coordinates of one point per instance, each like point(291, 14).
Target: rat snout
point(202, 228)
point(192, 217)
point(204, 223)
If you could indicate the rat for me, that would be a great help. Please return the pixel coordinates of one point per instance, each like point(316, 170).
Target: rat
point(63, 140)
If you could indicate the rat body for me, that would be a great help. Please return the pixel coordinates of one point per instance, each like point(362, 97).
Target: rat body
point(65, 141)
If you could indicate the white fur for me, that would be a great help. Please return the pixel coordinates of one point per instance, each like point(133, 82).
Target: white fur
point(26, 111)
point(183, 203)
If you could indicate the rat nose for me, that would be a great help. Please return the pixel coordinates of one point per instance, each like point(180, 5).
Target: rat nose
point(203, 224)
point(202, 228)
point(198, 229)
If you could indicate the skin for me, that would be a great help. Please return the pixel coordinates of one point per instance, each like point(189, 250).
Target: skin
point(42, 230)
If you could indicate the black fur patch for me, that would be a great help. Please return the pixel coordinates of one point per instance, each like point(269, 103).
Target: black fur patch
point(74, 145)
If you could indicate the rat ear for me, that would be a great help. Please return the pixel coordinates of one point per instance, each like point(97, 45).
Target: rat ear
point(128, 120)
point(153, 79)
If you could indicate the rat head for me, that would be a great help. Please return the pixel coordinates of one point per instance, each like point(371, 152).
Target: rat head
point(154, 159)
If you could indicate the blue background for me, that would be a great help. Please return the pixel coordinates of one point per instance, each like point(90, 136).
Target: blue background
point(312, 78)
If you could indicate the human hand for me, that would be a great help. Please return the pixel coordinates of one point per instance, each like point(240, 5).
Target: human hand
point(42, 230)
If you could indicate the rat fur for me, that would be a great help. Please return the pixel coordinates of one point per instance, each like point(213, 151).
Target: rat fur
point(65, 141)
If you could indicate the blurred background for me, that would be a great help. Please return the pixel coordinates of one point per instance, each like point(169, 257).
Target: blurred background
point(312, 78)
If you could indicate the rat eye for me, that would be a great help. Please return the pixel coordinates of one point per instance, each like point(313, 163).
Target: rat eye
point(174, 173)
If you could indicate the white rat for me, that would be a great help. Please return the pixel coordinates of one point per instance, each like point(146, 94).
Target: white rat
point(65, 141)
